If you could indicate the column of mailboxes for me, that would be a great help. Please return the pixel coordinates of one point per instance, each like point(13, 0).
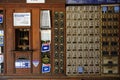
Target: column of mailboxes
point(83, 55)
point(59, 42)
point(110, 39)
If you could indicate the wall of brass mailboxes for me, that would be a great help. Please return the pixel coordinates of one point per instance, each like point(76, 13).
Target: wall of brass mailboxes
point(91, 44)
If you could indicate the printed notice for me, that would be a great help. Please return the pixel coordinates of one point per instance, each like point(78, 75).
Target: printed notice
point(1, 18)
point(45, 19)
point(80, 69)
point(35, 1)
point(46, 68)
point(46, 35)
point(22, 64)
point(22, 19)
point(1, 59)
point(45, 40)
point(1, 38)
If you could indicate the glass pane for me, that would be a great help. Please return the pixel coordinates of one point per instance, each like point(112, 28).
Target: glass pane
point(22, 39)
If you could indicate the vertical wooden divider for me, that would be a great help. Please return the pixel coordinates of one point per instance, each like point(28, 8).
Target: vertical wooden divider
point(9, 45)
point(35, 19)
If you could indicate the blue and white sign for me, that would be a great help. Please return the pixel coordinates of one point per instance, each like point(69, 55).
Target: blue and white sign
point(80, 69)
point(22, 19)
point(45, 40)
point(1, 38)
point(46, 68)
point(1, 59)
point(45, 47)
point(1, 18)
point(22, 63)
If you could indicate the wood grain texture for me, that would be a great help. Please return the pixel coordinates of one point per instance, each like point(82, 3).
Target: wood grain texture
point(36, 39)
point(24, 1)
point(9, 45)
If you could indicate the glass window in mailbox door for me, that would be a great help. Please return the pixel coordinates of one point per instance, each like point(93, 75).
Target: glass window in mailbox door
point(22, 39)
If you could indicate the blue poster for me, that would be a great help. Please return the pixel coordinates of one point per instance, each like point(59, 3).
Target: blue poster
point(1, 18)
point(46, 68)
point(1, 38)
point(45, 40)
point(80, 69)
point(45, 47)
point(22, 63)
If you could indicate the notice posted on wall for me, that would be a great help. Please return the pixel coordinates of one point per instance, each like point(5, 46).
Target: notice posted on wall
point(20, 63)
point(35, 1)
point(22, 19)
point(1, 18)
point(46, 68)
point(45, 19)
point(45, 40)
point(1, 38)
point(80, 69)
point(1, 59)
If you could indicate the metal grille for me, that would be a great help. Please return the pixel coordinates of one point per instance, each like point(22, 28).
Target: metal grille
point(59, 42)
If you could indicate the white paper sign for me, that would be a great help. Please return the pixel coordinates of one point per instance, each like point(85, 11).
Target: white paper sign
point(22, 64)
point(1, 18)
point(1, 58)
point(45, 19)
point(35, 1)
point(1, 38)
point(22, 19)
point(46, 35)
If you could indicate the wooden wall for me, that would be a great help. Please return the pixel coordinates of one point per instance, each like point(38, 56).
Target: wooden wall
point(24, 1)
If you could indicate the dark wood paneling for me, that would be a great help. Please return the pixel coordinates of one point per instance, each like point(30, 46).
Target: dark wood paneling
point(9, 45)
point(15, 1)
point(35, 38)
point(24, 1)
point(55, 1)
point(2, 1)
